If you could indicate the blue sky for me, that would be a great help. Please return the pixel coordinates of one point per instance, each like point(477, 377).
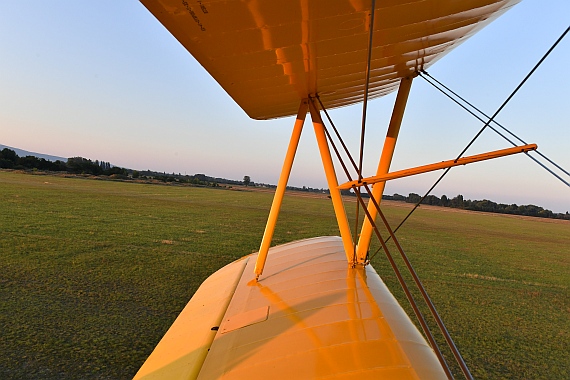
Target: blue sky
point(104, 80)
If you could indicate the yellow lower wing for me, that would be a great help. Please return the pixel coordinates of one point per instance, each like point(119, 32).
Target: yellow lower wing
point(310, 316)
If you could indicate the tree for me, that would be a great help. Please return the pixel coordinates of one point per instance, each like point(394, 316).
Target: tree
point(246, 180)
point(457, 202)
point(9, 154)
point(7, 158)
point(413, 198)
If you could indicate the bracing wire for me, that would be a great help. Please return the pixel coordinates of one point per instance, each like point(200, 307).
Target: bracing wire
point(339, 157)
point(366, 87)
point(423, 74)
point(364, 112)
point(410, 297)
point(422, 290)
point(383, 242)
point(491, 119)
point(395, 268)
point(513, 93)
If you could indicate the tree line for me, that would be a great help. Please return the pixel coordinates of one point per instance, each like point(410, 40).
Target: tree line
point(79, 165)
point(9, 159)
point(479, 205)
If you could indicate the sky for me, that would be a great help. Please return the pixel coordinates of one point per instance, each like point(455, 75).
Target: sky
point(104, 80)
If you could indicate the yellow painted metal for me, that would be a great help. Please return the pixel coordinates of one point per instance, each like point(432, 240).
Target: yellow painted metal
point(312, 317)
point(281, 187)
point(183, 349)
point(330, 173)
point(384, 165)
point(270, 54)
point(440, 165)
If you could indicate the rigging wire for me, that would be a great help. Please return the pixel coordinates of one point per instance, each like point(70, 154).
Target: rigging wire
point(366, 87)
point(339, 157)
point(513, 93)
point(422, 290)
point(423, 75)
point(364, 112)
point(491, 119)
point(383, 242)
point(395, 268)
point(409, 295)
point(347, 152)
point(485, 115)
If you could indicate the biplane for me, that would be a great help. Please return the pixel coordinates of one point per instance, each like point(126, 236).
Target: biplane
point(315, 308)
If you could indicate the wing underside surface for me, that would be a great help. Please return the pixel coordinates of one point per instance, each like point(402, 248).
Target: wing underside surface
point(269, 54)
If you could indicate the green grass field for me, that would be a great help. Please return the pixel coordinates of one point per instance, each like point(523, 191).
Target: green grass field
point(94, 272)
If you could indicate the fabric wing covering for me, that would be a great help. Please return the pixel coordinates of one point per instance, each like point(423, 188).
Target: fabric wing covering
point(269, 54)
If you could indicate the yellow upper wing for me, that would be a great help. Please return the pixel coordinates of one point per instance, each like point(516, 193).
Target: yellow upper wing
point(269, 54)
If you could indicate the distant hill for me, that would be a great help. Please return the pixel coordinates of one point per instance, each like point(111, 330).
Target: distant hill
point(24, 153)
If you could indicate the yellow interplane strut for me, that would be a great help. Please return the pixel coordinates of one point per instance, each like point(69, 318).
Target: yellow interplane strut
point(384, 166)
point(332, 181)
point(439, 165)
point(281, 187)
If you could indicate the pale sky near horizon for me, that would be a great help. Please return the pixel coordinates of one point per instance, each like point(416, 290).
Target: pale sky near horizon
point(104, 80)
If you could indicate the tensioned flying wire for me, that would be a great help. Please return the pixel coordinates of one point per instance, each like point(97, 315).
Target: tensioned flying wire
point(364, 112)
point(395, 268)
point(441, 326)
point(491, 119)
point(425, 74)
point(484, 114)
point(487, 124)
point(366, 86)
point(401, 280)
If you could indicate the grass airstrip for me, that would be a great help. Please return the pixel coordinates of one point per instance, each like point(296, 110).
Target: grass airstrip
point(94, 272)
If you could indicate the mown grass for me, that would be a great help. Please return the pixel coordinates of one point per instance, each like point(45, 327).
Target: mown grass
point(94, 272)
point(501, 286)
